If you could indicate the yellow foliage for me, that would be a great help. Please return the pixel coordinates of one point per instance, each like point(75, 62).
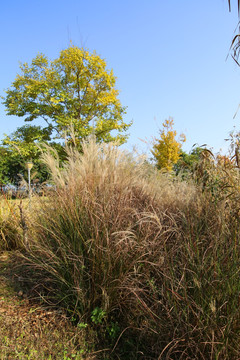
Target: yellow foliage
point(75, 91)
point(166, 150)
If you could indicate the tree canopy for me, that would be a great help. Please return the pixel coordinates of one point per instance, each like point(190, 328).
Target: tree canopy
point(25, 141)
point(187, 162)
point(21, 146)
point(166, 150)
point(76, 89)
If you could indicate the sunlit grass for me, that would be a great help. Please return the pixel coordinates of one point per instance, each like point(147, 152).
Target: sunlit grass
point(144, 260)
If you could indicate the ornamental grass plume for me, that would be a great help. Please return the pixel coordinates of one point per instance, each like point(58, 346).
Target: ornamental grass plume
point(138, 256)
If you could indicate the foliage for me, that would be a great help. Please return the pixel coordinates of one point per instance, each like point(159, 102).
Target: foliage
point(218, 175)
point(75, 89)
point(97, 315)
point(12, 165)
point(234, 147)
point(166, 150)
point(24, 145)
point(25, 140)
point(187, 162)
point(5, 165)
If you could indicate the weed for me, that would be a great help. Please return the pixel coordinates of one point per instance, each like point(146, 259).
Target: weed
point(98, 315)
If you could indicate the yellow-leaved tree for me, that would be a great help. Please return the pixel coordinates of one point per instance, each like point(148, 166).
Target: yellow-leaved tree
point(76, 90)
point(166, 150)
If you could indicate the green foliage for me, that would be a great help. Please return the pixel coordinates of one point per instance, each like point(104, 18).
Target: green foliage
point(5, 165)
point(74, 90)
point(25, 140)
point(82, 325)
point(187, 162)
point(98, 315)
point(113, 330)
point(24, 145)
point(166, 150)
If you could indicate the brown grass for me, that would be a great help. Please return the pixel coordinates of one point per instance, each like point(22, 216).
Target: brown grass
point(147, 262)
point(30, 329)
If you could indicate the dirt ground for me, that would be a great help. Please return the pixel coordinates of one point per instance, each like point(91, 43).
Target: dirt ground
point(31, 330)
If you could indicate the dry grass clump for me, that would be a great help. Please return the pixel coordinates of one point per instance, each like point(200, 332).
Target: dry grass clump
point(149, 262)
point(11, 225)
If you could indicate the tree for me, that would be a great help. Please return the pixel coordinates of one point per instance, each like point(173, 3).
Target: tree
point(75, 89)
point(166, 150)
point(187, 161)
point(4, 165)
point(22, 146)
point(25, 141)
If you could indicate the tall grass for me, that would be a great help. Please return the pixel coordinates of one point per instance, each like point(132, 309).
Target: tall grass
point(148, 261)
point(11, 224)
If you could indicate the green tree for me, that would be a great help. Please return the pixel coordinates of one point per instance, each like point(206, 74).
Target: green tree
point(25, 140)
point(4, 165)
point(188, 161)
point(21, 146)
point(74, 90)
point(166, 150)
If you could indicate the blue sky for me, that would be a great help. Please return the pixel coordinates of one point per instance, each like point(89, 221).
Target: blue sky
point(169, 58)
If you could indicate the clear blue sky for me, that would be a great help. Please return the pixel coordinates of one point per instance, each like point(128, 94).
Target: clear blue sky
point(169, 58)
